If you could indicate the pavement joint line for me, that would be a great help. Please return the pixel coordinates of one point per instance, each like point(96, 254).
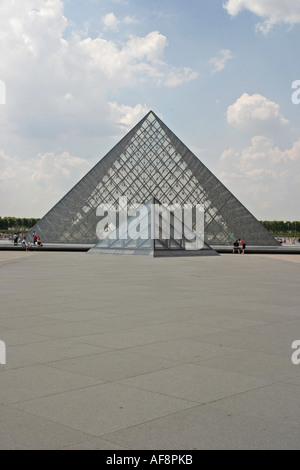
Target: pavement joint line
point(175, 366)
point(120, 429)
point(119, 379)
point(287, 381)
point(153, 420)
point(102, 383)
point(47, 419)
point(72, 390)
point(27, 344)
point(199, 405)
point(240, 348)
point(103, 439)
point(243, 393)
point(93, 437)
point(248, 375)
point(49, 363)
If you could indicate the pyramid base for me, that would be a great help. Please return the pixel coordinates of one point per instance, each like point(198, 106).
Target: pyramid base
point(153, 253)
point(183, 253)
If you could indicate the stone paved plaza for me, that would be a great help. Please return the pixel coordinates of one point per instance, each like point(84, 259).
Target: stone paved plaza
point(137, 353)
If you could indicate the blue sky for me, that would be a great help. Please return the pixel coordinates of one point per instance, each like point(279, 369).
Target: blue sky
point(79, 74)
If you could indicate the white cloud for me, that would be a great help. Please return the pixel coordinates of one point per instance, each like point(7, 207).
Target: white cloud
point(266, 178)
point(150, 47)
point(27, 187)
point(110, 21)
point(255, 113)
point(64, 82)
point(129, 20)
point(60, 85)
point(218, 63)
point(273, 11)
point(2, 92)
point(176, 78)
point(127, 116)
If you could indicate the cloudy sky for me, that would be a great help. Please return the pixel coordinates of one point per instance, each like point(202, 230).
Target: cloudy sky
point(76, 75)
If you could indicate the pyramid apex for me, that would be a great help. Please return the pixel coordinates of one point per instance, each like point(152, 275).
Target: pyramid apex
point(151, 112)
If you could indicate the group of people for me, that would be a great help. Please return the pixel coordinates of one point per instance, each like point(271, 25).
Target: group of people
point(288, 241)
point(239, 247)
point(36, 240)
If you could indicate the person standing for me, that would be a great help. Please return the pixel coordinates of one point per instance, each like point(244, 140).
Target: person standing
point(243, 246)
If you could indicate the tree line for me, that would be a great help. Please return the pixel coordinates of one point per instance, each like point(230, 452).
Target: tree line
point(276, 227)
point(16, 224)
point(281, 228)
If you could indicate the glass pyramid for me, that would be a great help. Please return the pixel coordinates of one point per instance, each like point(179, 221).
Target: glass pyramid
point(149, 239)
point(150, 161)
